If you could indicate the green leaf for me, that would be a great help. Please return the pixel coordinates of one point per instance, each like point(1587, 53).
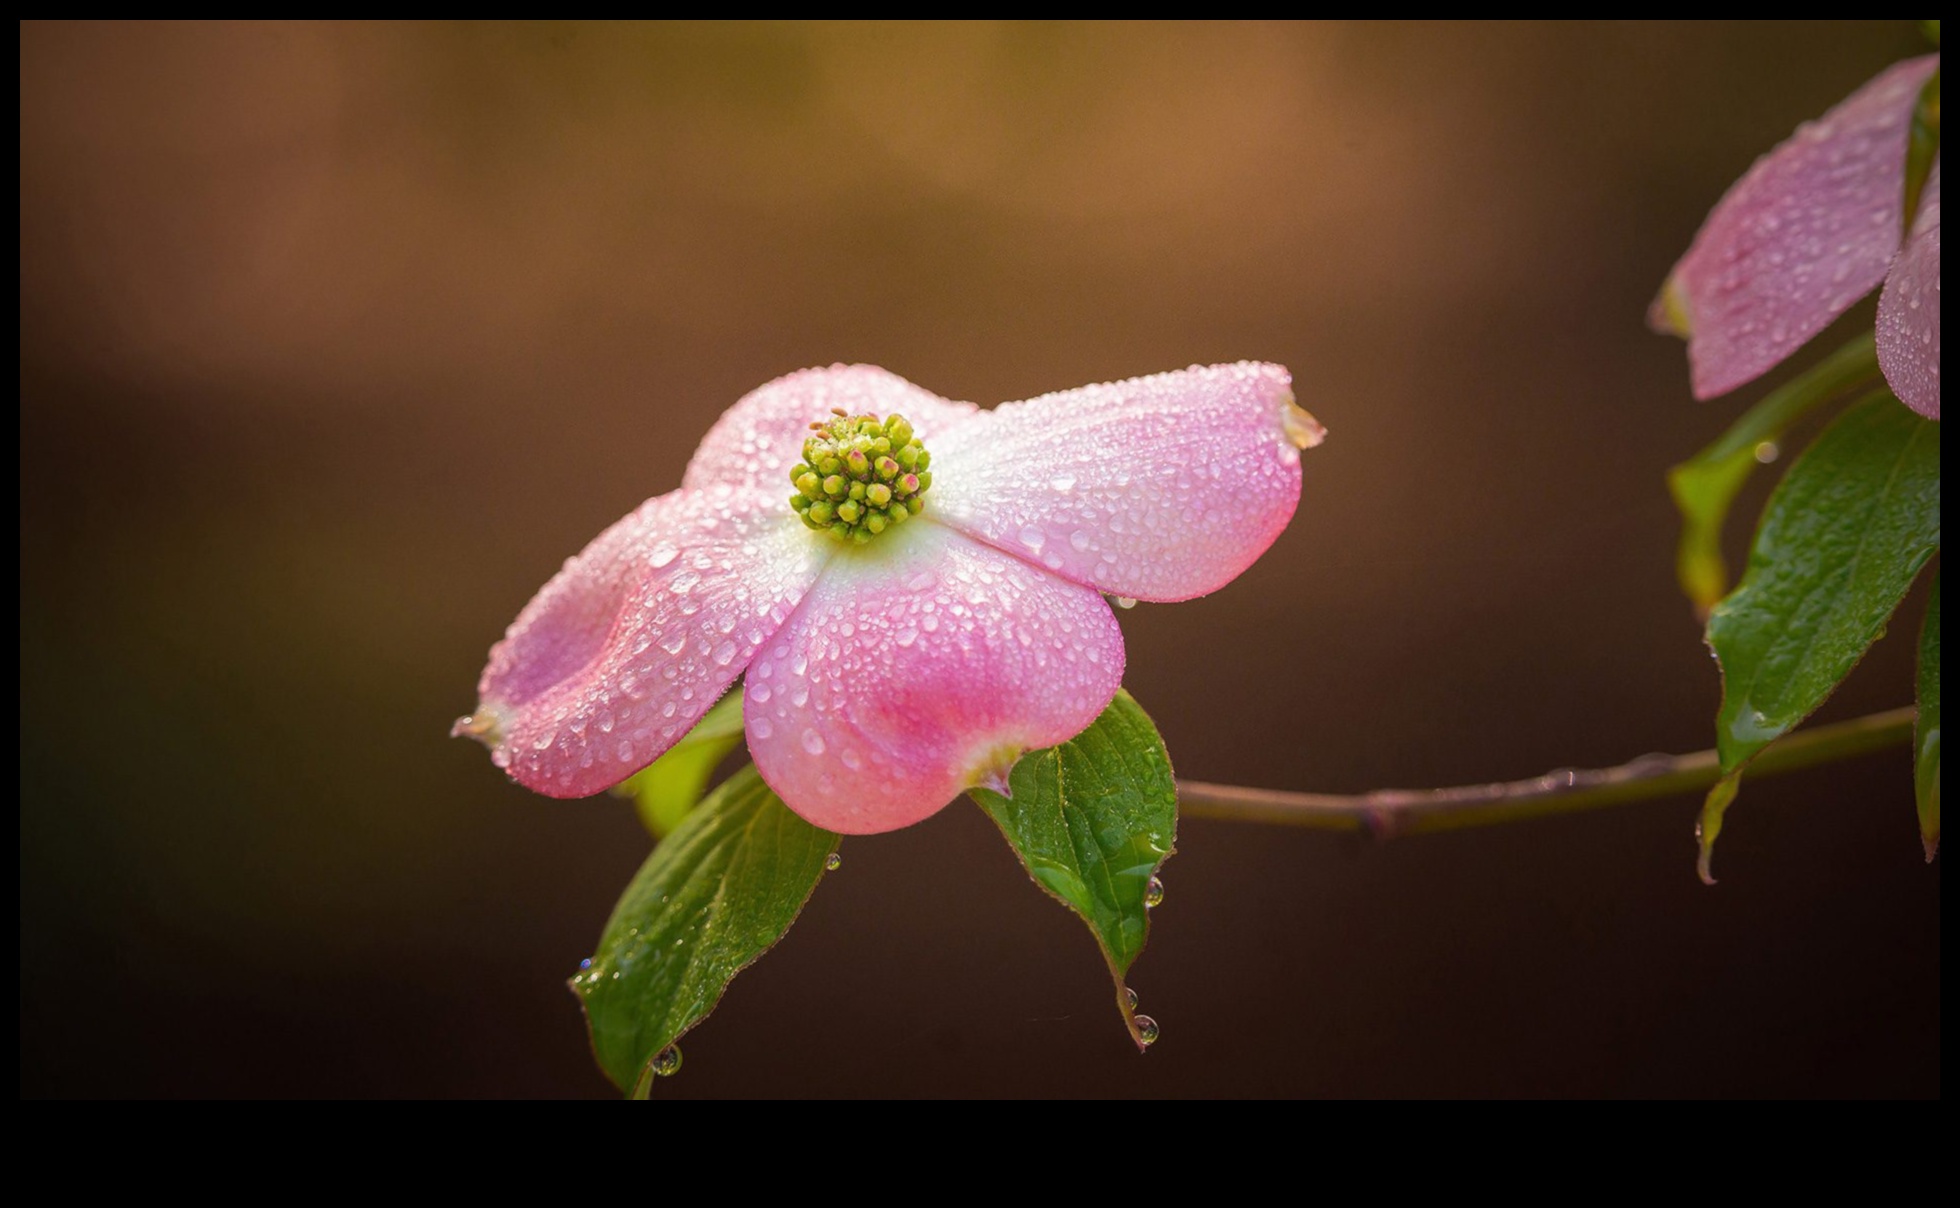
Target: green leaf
point(1926, 736)
point(1922, 147)
point(713, 896)
point(1842, 539)
point(1093, 820)
point(1706, 485)
point(665, 790)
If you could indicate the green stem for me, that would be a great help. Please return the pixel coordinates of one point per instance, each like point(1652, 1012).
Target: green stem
point(1388, 813)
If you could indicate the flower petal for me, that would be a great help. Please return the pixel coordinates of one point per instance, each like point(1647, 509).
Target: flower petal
point(1805, 233)
point(627, 646)
point(919, 666)
point(754, 444)
point(1909, 311)
point(1161, 488)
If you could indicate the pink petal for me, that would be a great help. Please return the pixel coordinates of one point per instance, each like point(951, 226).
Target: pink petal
point(1909, 311)
point(1161, 488)
point(755, 442)
point(919, 666)
point(1806, 232)
point(624, 650)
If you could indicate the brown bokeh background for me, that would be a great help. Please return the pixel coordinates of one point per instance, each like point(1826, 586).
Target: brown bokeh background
point(336, 340)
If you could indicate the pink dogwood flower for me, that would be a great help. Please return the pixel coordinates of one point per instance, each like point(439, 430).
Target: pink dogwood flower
point(1811, 228)
point(914, 587)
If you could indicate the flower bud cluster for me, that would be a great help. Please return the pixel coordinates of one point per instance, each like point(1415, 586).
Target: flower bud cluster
point(860, 476)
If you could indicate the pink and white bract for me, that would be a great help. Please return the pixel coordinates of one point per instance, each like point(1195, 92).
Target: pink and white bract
point(886, 678)
point(1810, 229)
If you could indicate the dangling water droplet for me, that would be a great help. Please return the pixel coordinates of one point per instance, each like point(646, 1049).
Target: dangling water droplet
point(667, 1062)
point(1153, 894)
point(1130, 998)
point(586, 963)
point(1124, 602)
point(833, 862)
point(1767, 451)
point(1147, 1030)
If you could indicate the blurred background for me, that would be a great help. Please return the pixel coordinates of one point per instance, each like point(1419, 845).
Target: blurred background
point(336, 340)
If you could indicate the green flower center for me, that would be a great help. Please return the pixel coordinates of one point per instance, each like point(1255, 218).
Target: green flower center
point(860, 475)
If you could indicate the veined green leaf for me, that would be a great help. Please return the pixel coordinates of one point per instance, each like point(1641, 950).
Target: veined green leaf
point(714, 895)
point(1848, 529)
point(1926, 735)
point(1093, 820)
point(665, 790)
point(1706, 485)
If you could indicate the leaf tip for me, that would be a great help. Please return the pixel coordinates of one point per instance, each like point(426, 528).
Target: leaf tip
point(1709, 826)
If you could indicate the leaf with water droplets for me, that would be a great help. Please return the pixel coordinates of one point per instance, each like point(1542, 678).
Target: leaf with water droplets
point(1092, 820)
point(1926, 735)
point(665, 790)
point(714, 895)
point(1842, 539)
point(1705, 486)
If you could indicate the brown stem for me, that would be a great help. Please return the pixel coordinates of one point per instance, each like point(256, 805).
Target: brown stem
point(1387, 813)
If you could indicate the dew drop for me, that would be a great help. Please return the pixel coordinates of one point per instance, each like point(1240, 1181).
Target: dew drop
point(725, 654)
point(1130, 998)
point(761, 727)
point(1147, 1030)
point(833, 862)
point(1153, 894)
point(1033, 538)
point(667, 1062)
point(662, 554)
point(1125, 602)
point(813, 742)
point(1062, 482)
point(674, 644)
point(1079, 540)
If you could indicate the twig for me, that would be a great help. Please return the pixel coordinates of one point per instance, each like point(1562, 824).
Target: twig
point(1387, 813)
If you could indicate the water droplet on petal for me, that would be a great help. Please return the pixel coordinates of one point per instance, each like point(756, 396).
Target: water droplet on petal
point(725, 654)
point(813, 742)
point(662, 554)
point(1033, 538)
point(761, 727)
point(1062, 482)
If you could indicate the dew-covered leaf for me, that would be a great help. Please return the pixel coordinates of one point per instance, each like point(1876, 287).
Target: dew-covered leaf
point(1846, 532)
point(1706, 485)
point(1926, 736)
point(1092, 821)
point(665, 790)
point(713, 896)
